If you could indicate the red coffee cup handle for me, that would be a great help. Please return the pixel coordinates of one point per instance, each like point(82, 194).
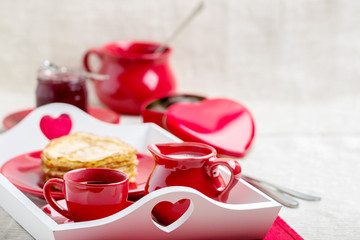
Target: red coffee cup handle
point(50, 199)
point(87, 55)
point(231, 164)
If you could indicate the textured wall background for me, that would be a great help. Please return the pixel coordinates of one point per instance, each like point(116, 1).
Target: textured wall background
point(249, 50)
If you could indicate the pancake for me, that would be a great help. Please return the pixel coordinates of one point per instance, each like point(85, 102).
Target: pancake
point(86, 150)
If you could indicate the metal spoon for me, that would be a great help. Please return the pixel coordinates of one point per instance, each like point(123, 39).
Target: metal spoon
point(183, 24)
point(281, 198)
point(281, 189)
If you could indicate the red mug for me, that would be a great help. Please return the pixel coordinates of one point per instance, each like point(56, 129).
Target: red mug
point(192, 165)
point(90, 193)
point(135, 72)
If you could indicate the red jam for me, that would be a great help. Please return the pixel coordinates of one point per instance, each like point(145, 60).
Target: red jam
point(66, 87)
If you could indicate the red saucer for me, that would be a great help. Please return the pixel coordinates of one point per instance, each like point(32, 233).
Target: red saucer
point(60, 219)
point(102, 114)
point(25, 173)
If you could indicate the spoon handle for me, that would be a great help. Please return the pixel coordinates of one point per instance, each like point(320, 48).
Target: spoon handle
point(180, 27)
point(297, 194)
point(279, 197)
point(288, 191)
point(95, 76)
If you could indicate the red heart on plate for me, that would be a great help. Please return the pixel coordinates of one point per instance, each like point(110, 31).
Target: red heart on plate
point(166, 213)
point(55, 127)
point(222, 123)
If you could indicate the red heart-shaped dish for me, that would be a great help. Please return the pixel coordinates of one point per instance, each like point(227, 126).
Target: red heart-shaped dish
point(222, 123)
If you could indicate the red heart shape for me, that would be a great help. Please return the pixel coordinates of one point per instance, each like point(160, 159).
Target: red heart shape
point(222, 123)
point(166, 213)
point(55, 127)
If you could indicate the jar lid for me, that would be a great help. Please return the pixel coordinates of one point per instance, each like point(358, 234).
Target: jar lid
point(225, 124)
point(51, 71)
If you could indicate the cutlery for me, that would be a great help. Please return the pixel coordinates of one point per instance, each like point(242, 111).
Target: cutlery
point(279, 193)
point(278, 196)
point(183, 24)
point(288, 191)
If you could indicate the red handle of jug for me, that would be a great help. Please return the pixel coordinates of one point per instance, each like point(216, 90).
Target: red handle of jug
point(87, 55)
point(233, 166)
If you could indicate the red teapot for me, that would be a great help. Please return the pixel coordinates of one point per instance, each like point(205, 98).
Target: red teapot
point(135, 73)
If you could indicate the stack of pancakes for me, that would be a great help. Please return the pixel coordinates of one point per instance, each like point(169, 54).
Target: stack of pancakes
point(85, 150)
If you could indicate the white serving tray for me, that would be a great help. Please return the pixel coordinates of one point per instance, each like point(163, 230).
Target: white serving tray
point(248, 214)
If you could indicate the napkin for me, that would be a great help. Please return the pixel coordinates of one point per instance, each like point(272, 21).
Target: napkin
point(280, 230)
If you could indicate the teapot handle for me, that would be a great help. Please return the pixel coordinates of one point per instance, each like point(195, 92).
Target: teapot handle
point(213, 172)
point(87, 55)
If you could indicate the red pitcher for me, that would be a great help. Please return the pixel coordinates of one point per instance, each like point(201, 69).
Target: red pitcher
point(192, 165)
point(135, 73)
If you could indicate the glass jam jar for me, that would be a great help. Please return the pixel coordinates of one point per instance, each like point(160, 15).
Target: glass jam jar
point(61, 85)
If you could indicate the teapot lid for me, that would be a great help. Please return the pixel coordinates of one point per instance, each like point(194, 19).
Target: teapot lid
point(225, 124)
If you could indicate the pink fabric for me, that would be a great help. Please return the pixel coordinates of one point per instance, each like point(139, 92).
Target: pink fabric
point(280, 230)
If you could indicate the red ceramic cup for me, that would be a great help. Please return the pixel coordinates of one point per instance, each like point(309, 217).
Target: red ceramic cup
point(90, 193)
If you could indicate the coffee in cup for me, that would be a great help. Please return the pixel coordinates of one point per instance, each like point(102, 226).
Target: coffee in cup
point(90, 193)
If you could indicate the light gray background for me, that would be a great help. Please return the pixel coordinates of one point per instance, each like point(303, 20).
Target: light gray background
point(294, 64)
